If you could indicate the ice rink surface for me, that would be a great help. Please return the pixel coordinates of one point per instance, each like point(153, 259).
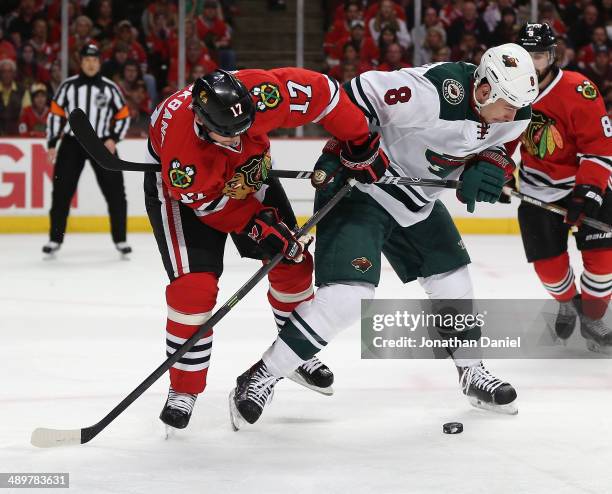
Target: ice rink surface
point(80, 332)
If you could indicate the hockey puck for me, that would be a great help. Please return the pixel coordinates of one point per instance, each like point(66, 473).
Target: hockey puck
point(452, 428)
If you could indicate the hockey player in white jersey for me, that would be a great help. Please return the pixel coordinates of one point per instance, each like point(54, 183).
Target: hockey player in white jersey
point(446, 120)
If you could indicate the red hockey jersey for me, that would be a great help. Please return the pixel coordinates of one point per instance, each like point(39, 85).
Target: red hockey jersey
point(32, 124)
point(567, 141)
point(224, 185)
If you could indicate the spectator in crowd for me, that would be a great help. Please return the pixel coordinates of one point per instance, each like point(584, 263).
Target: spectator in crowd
point(216, 34)
point(548, 14)
point(139, 125)
point(22, 23)
point(104, 27)
point(582, 30)
point(507, 29)
point(7, 49)
point(492, 14)
point(373, 7)
point(608, 100)
point(387, 17)
point(196, 53)
point(387, 36)
point(340, 29)
point(350, 55)
point(450, 12)
point(196, 72)
point(441, 55)
point(349, 71)
point(44, 52)
point(466, 49)
point(126, 35)
point(586, 55)
point(166, 7)
point(55, 77)
point(368, 51)
point(13, 98)
point(434, 40)
point(130, 82)
point(419, 34)
point(565, 55)
point(468, 22)
point(113, 67)
point(28, 69)
point(599, 70)
point(33, 119)
point(160, 42)
point(392, 59)
point(82, 31)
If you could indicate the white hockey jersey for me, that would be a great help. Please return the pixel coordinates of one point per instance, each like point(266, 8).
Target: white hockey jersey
point(429, 128)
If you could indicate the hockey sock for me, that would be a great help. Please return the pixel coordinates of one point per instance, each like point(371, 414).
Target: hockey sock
point(190, 299)
point(290, 285)
point(313, 324)
point(596, 282)
point(557, 276)
point(442, 289)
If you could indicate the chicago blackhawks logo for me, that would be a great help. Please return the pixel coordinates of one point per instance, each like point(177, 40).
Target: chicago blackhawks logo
point(452, 91)
point(509, 61)
point(249, 177)
point(542, 136)
point(268, 96)
point(587, 89)
point(361, 264)
point(181, 176)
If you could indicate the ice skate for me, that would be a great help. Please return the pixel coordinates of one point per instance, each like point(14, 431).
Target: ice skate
point(597, 334)
point(485, 391)
point(566, 319)
point(49, 250)
point(124, 250)
point(314, 375)
point(254, 390)
point(177, 410)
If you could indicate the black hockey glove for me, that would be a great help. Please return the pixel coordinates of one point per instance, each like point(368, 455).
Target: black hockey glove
point(273, 236)
point(365, 162)
point(584, 201)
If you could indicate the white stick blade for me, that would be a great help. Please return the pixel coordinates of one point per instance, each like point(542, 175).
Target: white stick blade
point(51, 438)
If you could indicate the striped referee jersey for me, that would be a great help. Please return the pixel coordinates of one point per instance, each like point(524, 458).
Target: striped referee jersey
point(99, 98)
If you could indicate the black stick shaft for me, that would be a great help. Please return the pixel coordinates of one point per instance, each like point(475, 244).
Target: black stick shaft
point(98, 152)
point(88, 433)
point(599, 225)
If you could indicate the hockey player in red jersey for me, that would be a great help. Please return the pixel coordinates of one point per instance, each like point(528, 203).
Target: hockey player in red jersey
point(567, 159)
point(211, 140)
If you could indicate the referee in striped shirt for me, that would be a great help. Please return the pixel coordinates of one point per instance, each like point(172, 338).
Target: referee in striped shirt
point(103, 103)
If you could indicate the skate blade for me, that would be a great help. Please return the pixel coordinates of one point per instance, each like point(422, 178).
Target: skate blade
point(124, 257)
point(49, 257)
point(170, 432)
point(508, 409)
point(597, 348)
point(235, 418)
point(295, 377)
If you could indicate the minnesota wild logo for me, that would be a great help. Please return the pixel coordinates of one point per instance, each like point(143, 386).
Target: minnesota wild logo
point(248, 177)
point(269, 96)
point(587, 89)
point(542, 136)
point(181, 176)
point(509, 61)
point(361, 264)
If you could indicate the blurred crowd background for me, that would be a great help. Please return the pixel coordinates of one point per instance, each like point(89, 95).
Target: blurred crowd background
point(139, 43)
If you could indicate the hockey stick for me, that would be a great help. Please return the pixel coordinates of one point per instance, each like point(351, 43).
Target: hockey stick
point(599, 225)
point(47, 438)
point(96, 149)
